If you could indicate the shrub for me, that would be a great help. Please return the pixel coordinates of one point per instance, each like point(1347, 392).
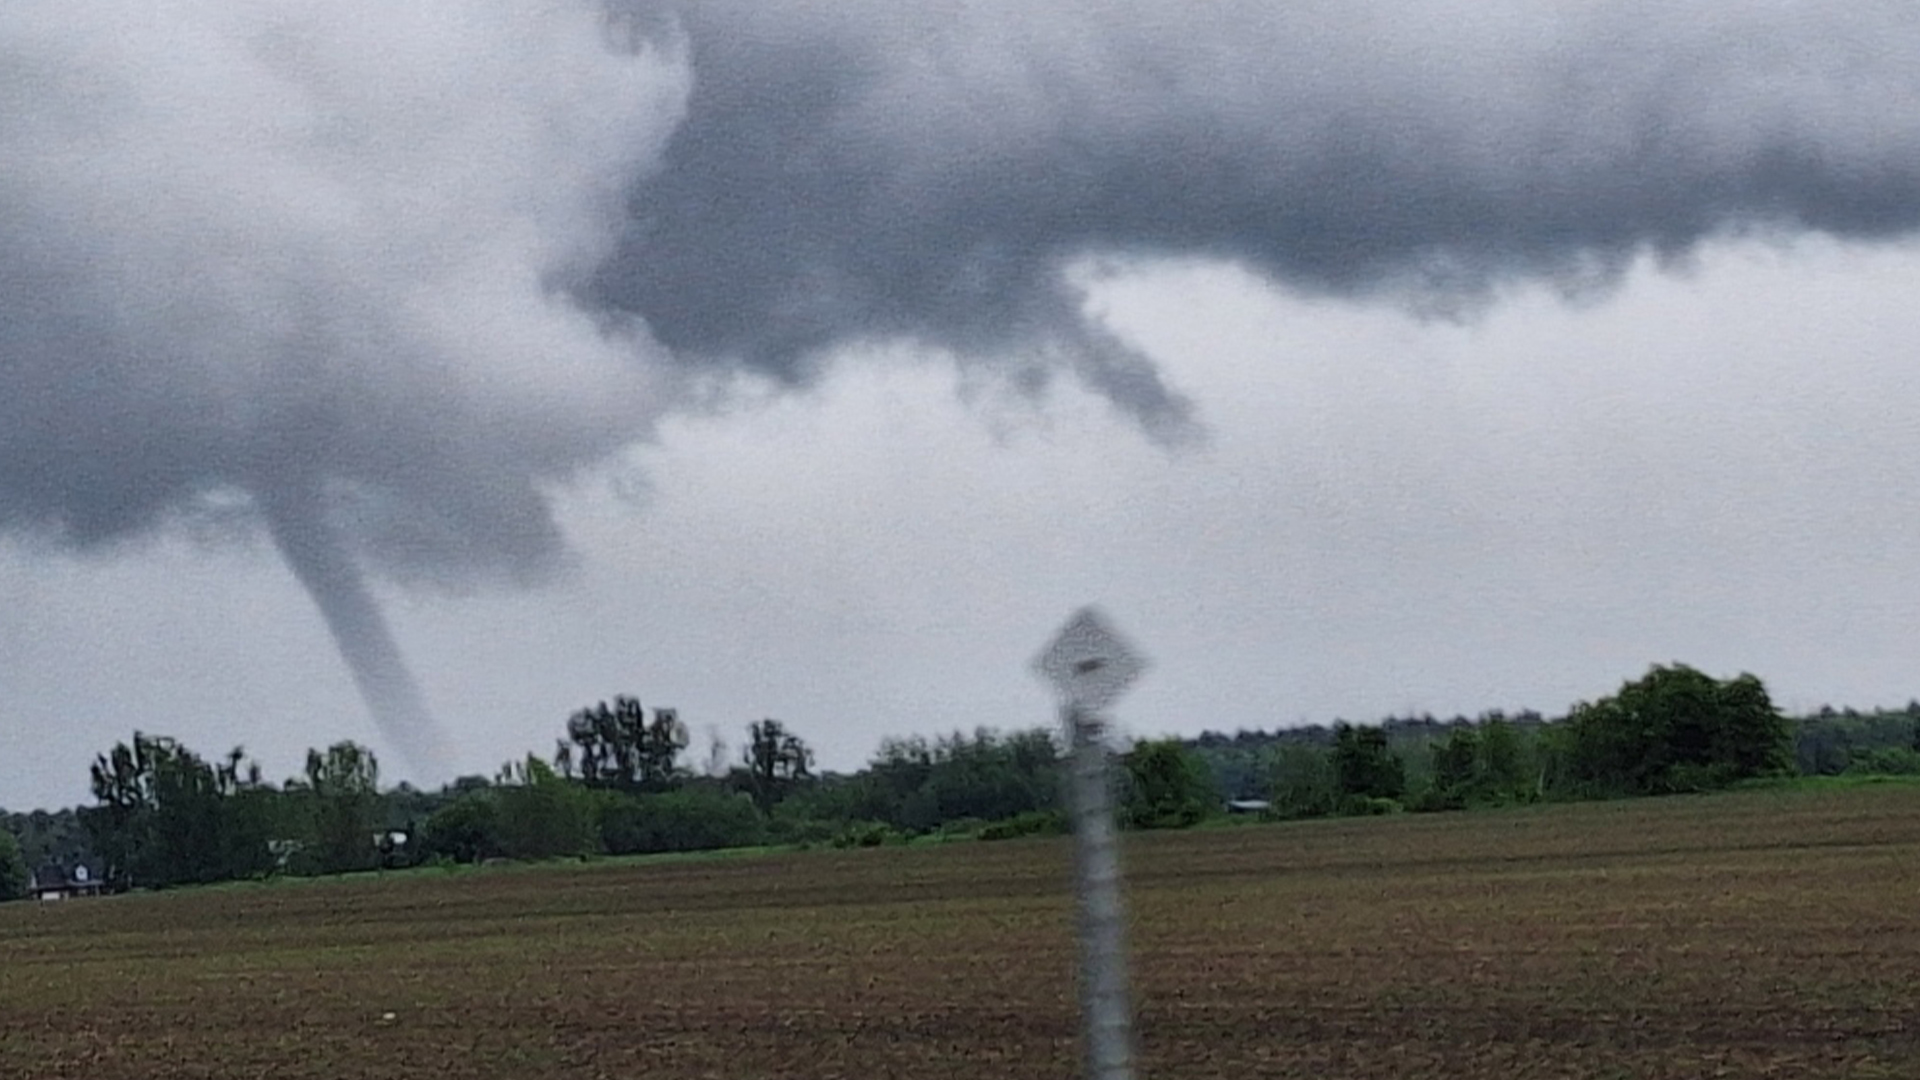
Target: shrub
point(545, 816)
point(699, 819)
point(1886, 761)
point(1303, 783)
point(465, 830)
point(1031, 823)
point(1369, 806)
point(1168, 787)
point(867, 834)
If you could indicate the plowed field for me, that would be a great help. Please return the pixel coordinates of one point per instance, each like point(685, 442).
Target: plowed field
point(1762, 934)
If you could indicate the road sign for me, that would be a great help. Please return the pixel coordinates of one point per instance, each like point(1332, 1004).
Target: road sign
point(1089, 664)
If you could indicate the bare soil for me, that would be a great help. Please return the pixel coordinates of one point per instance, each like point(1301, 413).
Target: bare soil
point(1767, 934)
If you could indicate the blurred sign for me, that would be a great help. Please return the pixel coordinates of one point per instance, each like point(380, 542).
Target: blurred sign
point(1089, 664)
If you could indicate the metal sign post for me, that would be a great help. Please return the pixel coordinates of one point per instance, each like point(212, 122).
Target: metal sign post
point(1090, 665)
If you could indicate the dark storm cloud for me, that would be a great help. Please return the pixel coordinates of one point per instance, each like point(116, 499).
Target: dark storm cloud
point(358, 271)
point(871, 169)
point(313, 248)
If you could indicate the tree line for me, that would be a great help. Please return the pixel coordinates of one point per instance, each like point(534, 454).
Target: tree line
point(1673, 730)
point(618, 783)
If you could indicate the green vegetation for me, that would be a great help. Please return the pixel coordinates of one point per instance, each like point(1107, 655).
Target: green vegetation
point(777, 762)
point(13, 868)
point(921, 786)
point(1168, 787)
point(694, 818)
point(1673, 730)
point(1656, 938)
point(340, 805)
point(538, 815)
point(617, 784)
point(1676, 730)
point(1757, 933)
point(1304, 784)
point(1364, 769)
point(168, 817)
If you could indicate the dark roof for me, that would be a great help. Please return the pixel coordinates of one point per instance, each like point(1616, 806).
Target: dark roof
point(54, 876)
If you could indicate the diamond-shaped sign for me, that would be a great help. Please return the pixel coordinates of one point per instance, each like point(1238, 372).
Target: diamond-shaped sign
point(1089, 663)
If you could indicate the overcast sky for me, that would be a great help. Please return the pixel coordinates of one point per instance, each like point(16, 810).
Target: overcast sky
point(419, 378)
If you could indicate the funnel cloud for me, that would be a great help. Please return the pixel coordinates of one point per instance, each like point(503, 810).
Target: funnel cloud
point(312, 258)
point(304, 538)
point(382, 275)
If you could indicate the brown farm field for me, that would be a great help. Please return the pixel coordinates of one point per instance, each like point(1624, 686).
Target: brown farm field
point(1758, 934)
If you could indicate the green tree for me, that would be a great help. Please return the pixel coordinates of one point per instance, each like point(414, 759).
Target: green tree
point(253, 819)
point(1676, 729)
point(189, 839)
point(1168, 786)
point(55, 837)
point(1303, 781)
point(345, 814)
point(1504, 768)
point(776, 760)
point(962, 778)
point(121, 825)
point(542, 815)
point(1478, 764)
point(167, 817)
point(1456, 769)
point(617, 747)
point(1747, 733)
point(1885, 761)
point(466, 829)
point(13, 868)
point(897, 787)
point(1365, 766)
point(956, 782)
point(695, 818)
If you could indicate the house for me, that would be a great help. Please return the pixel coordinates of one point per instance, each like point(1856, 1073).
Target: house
point(57, 883)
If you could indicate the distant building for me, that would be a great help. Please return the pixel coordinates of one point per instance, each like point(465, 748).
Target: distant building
point(59, 883)
point(1248, 806)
